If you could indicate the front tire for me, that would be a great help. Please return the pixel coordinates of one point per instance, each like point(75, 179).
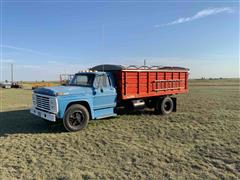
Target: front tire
point(76, 118)
point(164, 106)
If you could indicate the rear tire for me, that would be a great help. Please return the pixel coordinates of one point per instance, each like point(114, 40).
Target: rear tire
point(164, 106)
point(76, 118)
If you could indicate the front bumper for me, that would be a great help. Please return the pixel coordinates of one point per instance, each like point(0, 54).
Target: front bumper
point(43, 114)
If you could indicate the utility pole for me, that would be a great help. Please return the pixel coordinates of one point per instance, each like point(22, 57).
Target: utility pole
point(103, 35)
point(12, 72)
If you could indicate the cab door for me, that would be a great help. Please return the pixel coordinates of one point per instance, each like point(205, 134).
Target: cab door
point(104, 96)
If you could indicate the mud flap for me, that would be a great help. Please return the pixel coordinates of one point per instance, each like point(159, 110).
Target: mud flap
point(174, 104)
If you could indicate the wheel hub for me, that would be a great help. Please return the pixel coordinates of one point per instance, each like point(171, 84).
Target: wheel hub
point(76, 118)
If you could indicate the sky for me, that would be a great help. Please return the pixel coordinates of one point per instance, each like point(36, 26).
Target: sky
point(43, 39)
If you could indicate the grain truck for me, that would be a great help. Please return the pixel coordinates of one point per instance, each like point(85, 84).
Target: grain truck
point(98, 92)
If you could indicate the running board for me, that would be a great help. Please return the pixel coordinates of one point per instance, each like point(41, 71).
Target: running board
point(106, 116)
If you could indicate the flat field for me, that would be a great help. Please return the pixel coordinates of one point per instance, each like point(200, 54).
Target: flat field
point(200, 141)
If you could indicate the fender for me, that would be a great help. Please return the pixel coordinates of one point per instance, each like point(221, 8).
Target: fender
point(65, 102)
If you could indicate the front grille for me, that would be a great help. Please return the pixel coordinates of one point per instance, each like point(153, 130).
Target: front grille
point(43, 102)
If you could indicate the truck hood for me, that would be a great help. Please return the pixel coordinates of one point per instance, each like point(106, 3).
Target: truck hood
point(64, 90)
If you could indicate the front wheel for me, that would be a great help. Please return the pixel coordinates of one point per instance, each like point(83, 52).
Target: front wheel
point(164, 106)
point(76, 118)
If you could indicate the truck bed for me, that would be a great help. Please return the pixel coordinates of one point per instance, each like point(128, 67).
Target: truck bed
point(146, 83)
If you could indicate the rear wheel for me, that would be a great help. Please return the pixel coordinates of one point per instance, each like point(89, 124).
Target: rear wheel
point(164, 106)
point(76, 118)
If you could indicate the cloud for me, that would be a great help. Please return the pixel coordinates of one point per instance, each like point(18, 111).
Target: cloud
point(28, 50)
point(28, 66)
point(57, 63)
point(53, 62)
point(201, 14)
point(7, 61)
point(23, 49)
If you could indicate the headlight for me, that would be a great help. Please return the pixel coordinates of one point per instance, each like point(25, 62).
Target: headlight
point(34, 99)
point(52, 108)
point(53, 104)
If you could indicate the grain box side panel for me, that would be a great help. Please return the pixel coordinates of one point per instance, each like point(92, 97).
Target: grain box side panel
point(142, 84)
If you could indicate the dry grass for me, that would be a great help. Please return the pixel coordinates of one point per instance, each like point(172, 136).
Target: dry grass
point(201, 140)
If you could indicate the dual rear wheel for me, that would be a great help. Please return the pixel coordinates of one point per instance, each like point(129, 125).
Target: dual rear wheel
point(164, 106)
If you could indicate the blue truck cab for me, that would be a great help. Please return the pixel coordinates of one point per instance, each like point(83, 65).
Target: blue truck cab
point(89, 95)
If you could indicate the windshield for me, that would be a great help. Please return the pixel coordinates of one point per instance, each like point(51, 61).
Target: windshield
point(82, 80)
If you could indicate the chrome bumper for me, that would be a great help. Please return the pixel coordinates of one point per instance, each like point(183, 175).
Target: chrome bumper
point(44, 115)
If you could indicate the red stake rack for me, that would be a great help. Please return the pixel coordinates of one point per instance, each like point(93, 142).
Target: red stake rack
point(148, 82)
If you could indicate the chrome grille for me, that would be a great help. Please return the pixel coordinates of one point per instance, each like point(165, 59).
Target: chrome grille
point(43, 102)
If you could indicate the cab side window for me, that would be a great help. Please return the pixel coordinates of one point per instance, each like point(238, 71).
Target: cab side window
point(105, 82)
point(97, 82)
point(101, 81)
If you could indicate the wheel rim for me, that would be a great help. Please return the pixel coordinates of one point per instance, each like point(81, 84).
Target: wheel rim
point(76, 119)
point(167, 106)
